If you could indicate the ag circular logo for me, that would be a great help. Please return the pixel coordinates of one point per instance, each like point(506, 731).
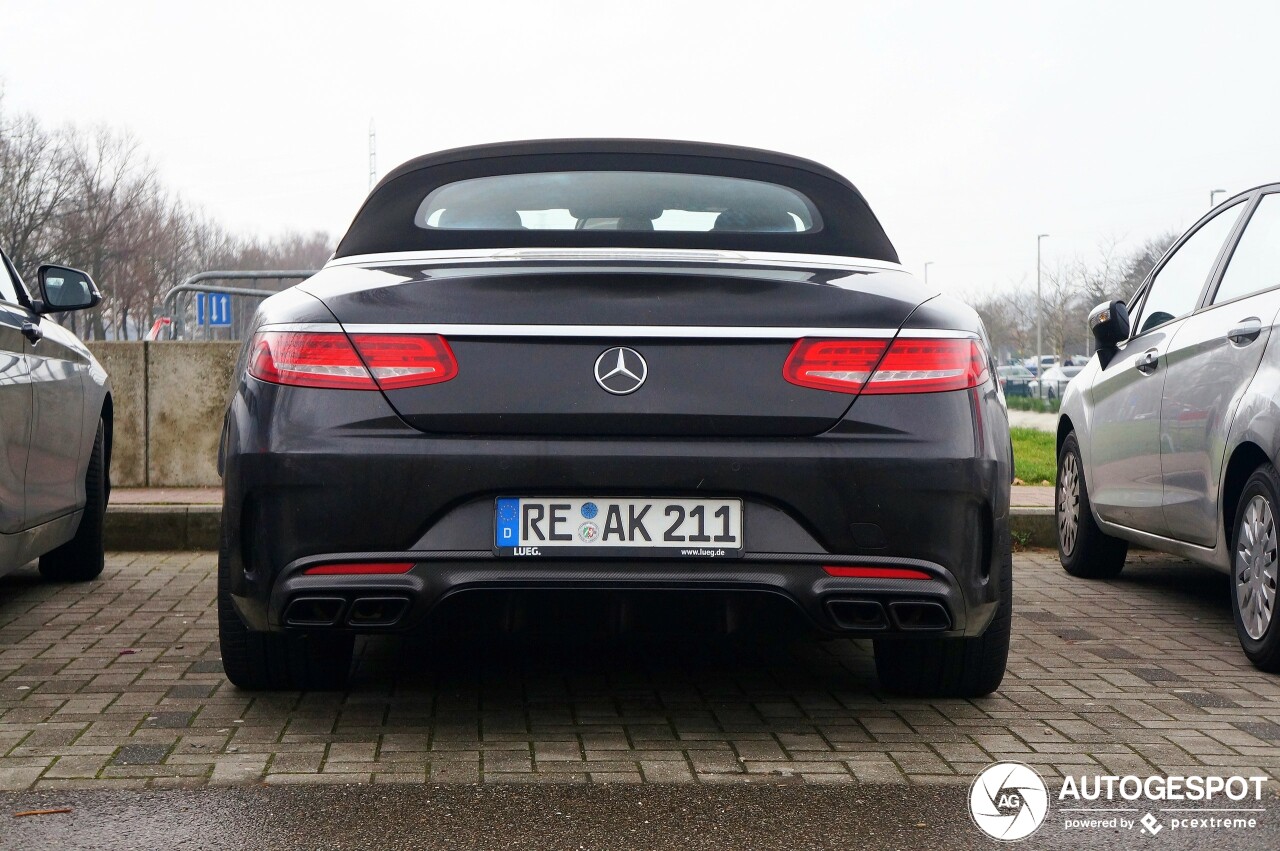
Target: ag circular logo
point(621, 370)
point(1008, 801)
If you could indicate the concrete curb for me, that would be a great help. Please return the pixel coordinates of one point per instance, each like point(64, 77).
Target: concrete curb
point(1034, 526)
point(162, 527)
point(195, 527)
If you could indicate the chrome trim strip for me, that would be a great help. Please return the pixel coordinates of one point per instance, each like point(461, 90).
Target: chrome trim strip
point(664, 255)
point(937, 334)
point(303, 327)
point(706, 332)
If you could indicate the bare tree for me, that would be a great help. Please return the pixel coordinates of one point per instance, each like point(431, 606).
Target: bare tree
point(111, 183)
point(1065, 308)
point(1009, 319)
point(1104, 279)
point(1140, 263)
point(34, 187)
point(1071, 289)
point(94, 200)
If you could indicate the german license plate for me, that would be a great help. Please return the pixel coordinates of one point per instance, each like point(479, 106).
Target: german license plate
point(665, 528)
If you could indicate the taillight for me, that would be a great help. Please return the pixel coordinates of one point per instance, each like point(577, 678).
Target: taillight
point(304, 359)
point(403, 360)
point(840, 365)
point(362, 362)
point(929, 366)
point(909, 366)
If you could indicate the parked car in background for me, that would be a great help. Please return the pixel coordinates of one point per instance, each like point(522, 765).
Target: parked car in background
point(659, 376)
point(1170, 436)
point(1039, 365)
point(1016, 380)
point(1054, 382)
point(55, 429)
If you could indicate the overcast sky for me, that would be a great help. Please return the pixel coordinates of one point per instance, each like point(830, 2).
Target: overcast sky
point(970, 127)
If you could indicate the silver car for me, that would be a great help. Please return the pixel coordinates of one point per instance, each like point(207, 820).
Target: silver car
point(1053, 384)
point(1169, 437)
point(55, 429)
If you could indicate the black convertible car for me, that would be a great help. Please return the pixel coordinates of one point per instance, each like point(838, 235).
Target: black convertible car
point(622, 371)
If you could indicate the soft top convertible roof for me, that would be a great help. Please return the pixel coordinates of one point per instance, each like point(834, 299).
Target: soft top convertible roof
point(386, 221)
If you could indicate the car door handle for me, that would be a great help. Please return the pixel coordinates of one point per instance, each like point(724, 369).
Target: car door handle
point(1147, 362)
point(32, 332)
point(1246, 332)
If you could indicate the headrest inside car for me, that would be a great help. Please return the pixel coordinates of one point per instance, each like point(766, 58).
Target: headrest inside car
point(463, 219)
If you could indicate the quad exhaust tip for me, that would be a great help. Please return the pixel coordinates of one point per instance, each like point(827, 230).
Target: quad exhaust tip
point(858, 614)
point(866, 615)
point(319, 612)
point(917, 615)
point(377, 611)
point(314, 611)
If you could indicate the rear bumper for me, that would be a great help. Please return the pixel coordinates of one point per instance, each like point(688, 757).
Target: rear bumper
point(831, 604)
point(916, 481)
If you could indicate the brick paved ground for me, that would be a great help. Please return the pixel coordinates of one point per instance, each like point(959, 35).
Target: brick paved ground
point(118, 683)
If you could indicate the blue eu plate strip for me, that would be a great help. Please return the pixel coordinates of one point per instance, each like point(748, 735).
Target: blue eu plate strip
point(507, 531)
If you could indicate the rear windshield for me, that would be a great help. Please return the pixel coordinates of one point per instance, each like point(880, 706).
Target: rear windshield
point(618, 201)
point(616, 194)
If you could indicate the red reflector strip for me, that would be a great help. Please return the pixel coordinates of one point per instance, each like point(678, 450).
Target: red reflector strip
point(877, 572)
point(359, 568)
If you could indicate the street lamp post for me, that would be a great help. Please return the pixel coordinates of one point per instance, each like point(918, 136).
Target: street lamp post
point(1215, 193)
point(1039, 305)
point(927, 264)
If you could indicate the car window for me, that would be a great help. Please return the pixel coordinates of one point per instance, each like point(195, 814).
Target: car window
point(8, 286)
point(618, 200)
point(1255, 264)
point(1177, 285)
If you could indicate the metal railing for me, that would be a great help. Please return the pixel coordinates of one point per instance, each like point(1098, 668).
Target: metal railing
point(195, 284)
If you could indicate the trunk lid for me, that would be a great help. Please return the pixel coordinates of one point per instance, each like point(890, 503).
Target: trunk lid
point(528, 340)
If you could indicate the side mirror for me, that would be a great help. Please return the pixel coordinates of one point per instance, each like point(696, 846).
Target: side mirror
point(63, 288)
point(1109, 323)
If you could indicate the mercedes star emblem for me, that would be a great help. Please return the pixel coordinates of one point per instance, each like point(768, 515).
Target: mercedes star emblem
point(621, 370)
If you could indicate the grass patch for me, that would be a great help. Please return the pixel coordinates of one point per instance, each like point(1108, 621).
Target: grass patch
point(1029, 403)
point(1035, 458)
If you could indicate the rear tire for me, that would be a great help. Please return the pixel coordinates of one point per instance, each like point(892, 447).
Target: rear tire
point(951, 667)
point(1083, 548)
point(1254, 569)
point(82, 558)
point(274, 661)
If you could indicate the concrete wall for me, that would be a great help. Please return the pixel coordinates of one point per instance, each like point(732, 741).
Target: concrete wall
point(169, 400)
point(126, 364)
